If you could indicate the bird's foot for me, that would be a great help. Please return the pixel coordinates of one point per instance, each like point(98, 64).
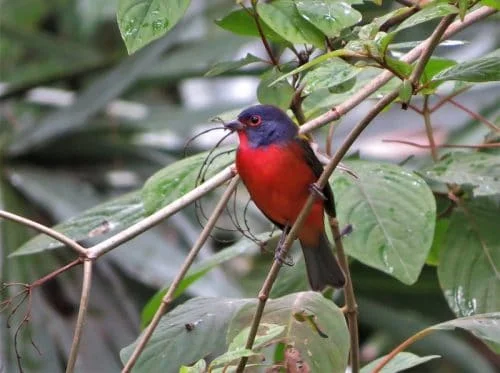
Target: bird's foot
point(283, 259)
point(316, 190)
point(347, 230)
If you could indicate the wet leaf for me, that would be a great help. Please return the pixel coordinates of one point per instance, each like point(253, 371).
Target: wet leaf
point(400, 362)
point(485, 69)
point(432, 11)
point(329, 74)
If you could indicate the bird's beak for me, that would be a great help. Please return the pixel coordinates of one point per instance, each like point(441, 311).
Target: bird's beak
point(234, 125)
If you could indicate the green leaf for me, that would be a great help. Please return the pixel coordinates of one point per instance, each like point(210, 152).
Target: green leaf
point(462, 7)
point(180, 177)
point(188, 333)
point(330, 16)
point(142, 21)
point(279, 94)
point(393, 213)
point(199, 367)
point(492, 3)
point(283, 17)
point(265, 334)
point(231, 356)
point(329, 74)
point(241, 23)
point(222, 67)
point(402, 68)
point(432, 11)
point(433, 67)
point(320, 335)
point(406, 91)
point(469, 260)
point(400, 362)
point(485, 69)
point(439, 235)
point(480, 170)
point(242, 247)
point(114, 215)
point(485, 327)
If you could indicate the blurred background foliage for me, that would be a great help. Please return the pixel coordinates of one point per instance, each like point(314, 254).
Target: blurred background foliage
point(82, 122)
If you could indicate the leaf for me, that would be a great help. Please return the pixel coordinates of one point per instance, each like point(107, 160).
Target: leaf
point(329, 74)
point(492, 3)
point(283, 17)
point(279, 94)
point(469, 269)
point(222, 67)
point(400, 362)
point(485, 69)
point(323, 341)
point(433, 67)
point(462, 7)
point(265, 334)
point(199, 367)
point(392, 212)
point(180, 177)
point(485, 327)
point(439, 235)
point(480, 170)
point(93, 98)
point(406, 91)
point(189, 332)
point(114, 215)
point(330, 16)
point(241, 23)
point(432, 11)
point(142, 21)
point(242, 247)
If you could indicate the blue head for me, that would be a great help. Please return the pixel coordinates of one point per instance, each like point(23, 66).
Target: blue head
point(264, 125)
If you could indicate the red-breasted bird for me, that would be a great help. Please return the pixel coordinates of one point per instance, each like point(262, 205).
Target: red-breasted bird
point(278, 167)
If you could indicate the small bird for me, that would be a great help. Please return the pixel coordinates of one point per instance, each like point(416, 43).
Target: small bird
point(279, 168)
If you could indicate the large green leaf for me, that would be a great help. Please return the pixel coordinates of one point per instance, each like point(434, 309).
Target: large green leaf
point(142, 21)
point(174, 343)
point(329, 16)
point(283, 17)
point(485, 69)
point(222, 67)
point(400, 362)
point(393, 214)
point(480, 170)
point(484, 326)
point(279, 94)
point(434, 10)
point(114, 215)
point(315, 326)
point(469, 260)
point(180, 177)
point(330, 74)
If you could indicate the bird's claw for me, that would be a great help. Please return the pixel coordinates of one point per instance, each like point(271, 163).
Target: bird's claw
point(314, 188)
point(286, 260)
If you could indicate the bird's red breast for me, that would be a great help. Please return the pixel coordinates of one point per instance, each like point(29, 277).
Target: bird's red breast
point(278, 179)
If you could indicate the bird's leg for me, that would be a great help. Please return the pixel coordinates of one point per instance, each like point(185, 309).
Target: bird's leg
point(278, 254)
point(314, 188)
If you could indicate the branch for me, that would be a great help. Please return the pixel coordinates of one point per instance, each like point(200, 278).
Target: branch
point(428, 128)
point(154, 219)
point(169, 297)
point(457, 146)
point(46, 230)
point(426, 49)
point(82, 313)
point(340, 110)
point(475, 115)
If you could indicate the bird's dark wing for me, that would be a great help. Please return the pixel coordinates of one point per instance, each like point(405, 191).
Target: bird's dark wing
point(317, 168)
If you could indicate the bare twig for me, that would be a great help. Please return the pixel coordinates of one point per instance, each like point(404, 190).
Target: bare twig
point(82, 313)
point(43, 229)
point(475, 115)
point(351, 307)
point(154, 219)
point(428, 128)
point(169, 297)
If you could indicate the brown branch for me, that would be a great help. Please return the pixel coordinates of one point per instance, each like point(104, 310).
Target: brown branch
point(169, 296)
point(428, 128)
point(475, 115)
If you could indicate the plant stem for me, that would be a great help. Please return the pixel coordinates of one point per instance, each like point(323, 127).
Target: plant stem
point(428, 129)
point(475, 115)
point(150, 221)
point(169, 296)
point(44, 229)
point(82, 313)
point(351, 307)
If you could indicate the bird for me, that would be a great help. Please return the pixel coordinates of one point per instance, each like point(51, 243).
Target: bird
point(278, 168)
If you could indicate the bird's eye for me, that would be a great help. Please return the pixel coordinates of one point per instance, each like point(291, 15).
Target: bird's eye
point(255, 120)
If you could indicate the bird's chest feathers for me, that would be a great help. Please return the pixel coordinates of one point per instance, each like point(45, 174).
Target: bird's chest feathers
point(277, 178)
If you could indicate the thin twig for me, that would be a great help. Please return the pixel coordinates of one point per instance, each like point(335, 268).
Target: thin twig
point(454, 146)
point(82, 313)
point(444, 100)
point(351, 307)
point(154, 219)
point(428, 129)
point(44, 229)
point(475, 115)
point(428, 46)
point(381, 79)
point(169, 297)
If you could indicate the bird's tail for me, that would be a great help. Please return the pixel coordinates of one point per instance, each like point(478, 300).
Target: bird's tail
point(322, 267)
